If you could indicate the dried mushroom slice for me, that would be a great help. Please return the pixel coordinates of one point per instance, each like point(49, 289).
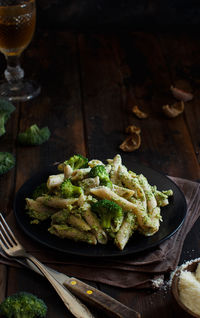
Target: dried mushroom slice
point(138, 112)
point(174, 110)
point(131, 129)
point(131, 143)
point(181, 94)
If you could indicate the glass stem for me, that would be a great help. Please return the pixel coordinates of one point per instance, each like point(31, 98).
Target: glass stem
point(13, 73)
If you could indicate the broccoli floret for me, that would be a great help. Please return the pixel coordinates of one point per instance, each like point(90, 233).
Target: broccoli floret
point(34, 136)
point(110, 214)
point(76, 162)
point(7, 162)
point(40, 190)
point(69, 190)
point(168, 192)
point(101, 172)
point(6, 108)
point(23, 305)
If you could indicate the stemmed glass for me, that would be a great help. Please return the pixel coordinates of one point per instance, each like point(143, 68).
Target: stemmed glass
point(17, 26)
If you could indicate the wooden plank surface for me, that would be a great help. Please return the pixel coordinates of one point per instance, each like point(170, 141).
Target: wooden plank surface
point(3, 282)
point(58, 106)
point(89, 84)
point(147, 79)
point(184, 67)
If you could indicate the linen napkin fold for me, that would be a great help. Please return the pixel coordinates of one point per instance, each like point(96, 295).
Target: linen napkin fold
point(142, 270)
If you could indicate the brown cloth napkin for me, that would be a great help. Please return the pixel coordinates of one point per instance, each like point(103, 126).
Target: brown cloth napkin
point(144, 270)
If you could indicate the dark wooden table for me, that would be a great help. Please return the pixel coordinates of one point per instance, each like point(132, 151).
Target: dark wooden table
point(86, 81)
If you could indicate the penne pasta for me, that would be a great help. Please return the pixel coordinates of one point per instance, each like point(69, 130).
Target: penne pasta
point(151, 200)
point(55, 180)
point(81, 200)
point(95, 162)
point(126, 230)
point(37, 211)
point(123, 192)
point(108, 168)
point(94, 223)
point(67, 171)
point(78, 222)
point(161, 196)
point(65, 231)
point(70, 217)
point(131, 183)
point(56, 202)
point(80, 174)
point(95, 202)
point(153, 209)
point(116, 163)
point(89, 183)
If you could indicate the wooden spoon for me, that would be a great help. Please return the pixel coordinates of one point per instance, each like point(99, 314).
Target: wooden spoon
point(192, 266)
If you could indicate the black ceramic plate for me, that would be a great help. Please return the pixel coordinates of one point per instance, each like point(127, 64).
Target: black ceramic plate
point(173, 216)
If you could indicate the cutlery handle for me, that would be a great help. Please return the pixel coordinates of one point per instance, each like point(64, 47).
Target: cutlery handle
point(74, 305)
point(100, 300)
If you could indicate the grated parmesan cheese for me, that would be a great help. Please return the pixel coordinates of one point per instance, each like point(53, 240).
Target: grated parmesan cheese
point(198, 272)
point(189, 289)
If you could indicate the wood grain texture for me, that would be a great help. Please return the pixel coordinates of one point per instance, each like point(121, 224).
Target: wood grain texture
point(101, 95)
point(90, 81)
point(139, 79)
point(3, 282)
point(8, 144)
point(58, 106)
point(101, 301)
point(184, 68)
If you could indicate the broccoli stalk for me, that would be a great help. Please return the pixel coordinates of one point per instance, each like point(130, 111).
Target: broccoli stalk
point(23, 305)
point(7, 162)
point(76, 162)
point(69, 190)
point(6, 108)
point(34, 136)
point(110, 214)
point(100, 171)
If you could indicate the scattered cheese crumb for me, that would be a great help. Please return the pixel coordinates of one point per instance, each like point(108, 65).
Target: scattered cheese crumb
point(157, 283)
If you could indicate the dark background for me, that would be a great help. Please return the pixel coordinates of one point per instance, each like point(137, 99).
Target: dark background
point(94, 14)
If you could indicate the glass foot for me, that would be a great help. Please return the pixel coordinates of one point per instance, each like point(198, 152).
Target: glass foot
point(22, 91)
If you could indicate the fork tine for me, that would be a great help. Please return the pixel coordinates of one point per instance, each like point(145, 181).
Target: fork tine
point(4, 243)
point(5, 237)
point(4, 247)
point(7, 230)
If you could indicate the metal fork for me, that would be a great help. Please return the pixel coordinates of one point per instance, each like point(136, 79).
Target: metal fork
point(13, 248)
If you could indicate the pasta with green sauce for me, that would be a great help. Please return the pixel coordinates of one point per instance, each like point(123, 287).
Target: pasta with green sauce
point(96, 202)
